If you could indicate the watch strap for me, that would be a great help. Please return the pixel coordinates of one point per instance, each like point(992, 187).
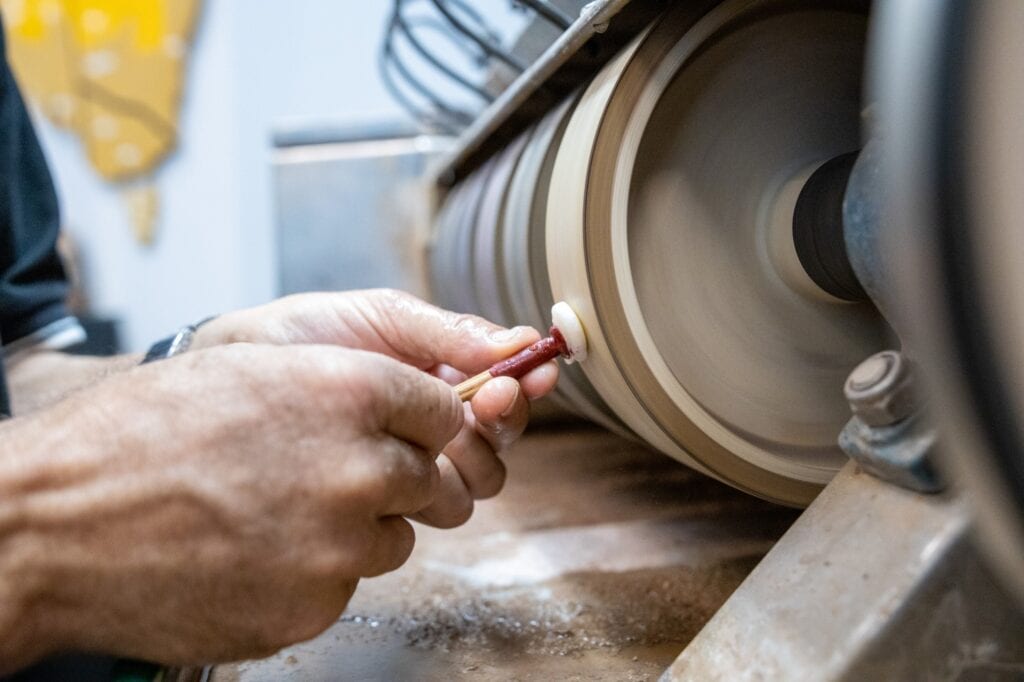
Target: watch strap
point(176, 344)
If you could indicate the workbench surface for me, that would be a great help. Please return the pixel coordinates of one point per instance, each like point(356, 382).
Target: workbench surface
point(599, 561)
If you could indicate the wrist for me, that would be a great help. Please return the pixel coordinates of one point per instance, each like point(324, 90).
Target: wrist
point(22, 602)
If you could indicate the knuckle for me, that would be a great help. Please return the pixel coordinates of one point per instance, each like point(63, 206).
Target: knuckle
point(388, 303)
point(423, 485)
point(383, 378)
point(441, 412)
point(466, 324)
point(450, 414)
point(347, 380)
point(234, 360)
point(337, 368)
point(335, 568)
point(418, 468)
point(364, 484)
point(392, 468)
point(332, 563)
point(356, 482)
point(430, 484)
point(390, 296)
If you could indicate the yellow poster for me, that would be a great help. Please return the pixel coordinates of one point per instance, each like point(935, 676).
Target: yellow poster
point(111, 71)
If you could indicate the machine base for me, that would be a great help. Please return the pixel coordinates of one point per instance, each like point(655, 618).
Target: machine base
point(872, 582)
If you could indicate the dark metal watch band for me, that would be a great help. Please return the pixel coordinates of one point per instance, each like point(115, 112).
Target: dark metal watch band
point(175, 344)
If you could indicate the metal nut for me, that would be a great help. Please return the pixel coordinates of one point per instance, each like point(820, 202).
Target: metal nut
point(881, 390)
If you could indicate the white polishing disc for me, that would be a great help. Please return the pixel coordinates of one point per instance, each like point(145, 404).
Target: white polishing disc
point(565, 320)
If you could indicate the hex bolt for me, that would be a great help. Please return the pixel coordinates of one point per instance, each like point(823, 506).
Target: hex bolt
point(869, 373)
point(881, 390)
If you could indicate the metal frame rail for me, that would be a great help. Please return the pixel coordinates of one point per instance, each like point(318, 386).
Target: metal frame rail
point(602, 29)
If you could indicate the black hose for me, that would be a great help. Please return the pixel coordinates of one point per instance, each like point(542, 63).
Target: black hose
point(405, 27)
point(443, 116)
point(490, 48)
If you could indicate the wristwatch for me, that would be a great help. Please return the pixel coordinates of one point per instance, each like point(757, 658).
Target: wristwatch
point(176, 344)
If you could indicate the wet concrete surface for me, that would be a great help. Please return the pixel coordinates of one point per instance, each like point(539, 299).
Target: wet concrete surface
point(599, 561)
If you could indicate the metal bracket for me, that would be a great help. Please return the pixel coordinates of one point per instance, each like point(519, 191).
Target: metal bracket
point(602, 29)
point(889, 435)
point(898, 454)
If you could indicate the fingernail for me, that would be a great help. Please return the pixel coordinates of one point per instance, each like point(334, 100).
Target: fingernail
point(507, 412)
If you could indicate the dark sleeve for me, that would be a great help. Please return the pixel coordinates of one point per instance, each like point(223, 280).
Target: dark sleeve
point(33, 286)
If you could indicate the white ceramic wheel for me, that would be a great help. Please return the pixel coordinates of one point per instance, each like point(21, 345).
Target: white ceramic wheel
point(526, 284)
point(442, 245)
point(487, 264)
point(459, 264)
point(664, 189)
point(523, 247)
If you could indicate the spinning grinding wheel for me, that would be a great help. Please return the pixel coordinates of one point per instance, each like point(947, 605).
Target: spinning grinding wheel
point(488, 272)
point(524, 261)
point(451, 248)
point(523, 249)
point(490, 234)
point(662, 233)
point(664, 207)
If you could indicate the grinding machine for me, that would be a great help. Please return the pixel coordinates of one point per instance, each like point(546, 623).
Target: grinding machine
point(687, 203)
point(792, 232)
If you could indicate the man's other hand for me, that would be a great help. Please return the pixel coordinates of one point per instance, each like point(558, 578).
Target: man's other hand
point(223, 504)
point(449, 345)
point(215, 506)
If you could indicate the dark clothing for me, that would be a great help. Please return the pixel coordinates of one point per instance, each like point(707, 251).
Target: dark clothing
point(32, 282)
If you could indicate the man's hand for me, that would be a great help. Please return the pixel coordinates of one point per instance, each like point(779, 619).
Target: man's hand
point(446, 344)
point(215, 506)
point(399, 325)
point(224, 504)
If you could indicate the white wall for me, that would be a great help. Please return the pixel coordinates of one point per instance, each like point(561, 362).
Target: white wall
point(255, 65)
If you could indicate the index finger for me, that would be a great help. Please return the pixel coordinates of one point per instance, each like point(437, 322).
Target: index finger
point(424, 335)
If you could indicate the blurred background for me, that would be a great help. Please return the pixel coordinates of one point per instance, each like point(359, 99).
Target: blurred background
point(159, 119)
point(808, 176)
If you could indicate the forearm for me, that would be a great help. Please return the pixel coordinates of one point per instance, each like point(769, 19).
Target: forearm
point(21, 642)
point(29, 621)
point(72, 502)
point(40, 379)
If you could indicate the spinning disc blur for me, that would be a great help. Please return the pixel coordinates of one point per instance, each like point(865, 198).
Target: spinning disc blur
point(526, 283)
point(487, 263)
point(671, 170)
point(459, 258)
